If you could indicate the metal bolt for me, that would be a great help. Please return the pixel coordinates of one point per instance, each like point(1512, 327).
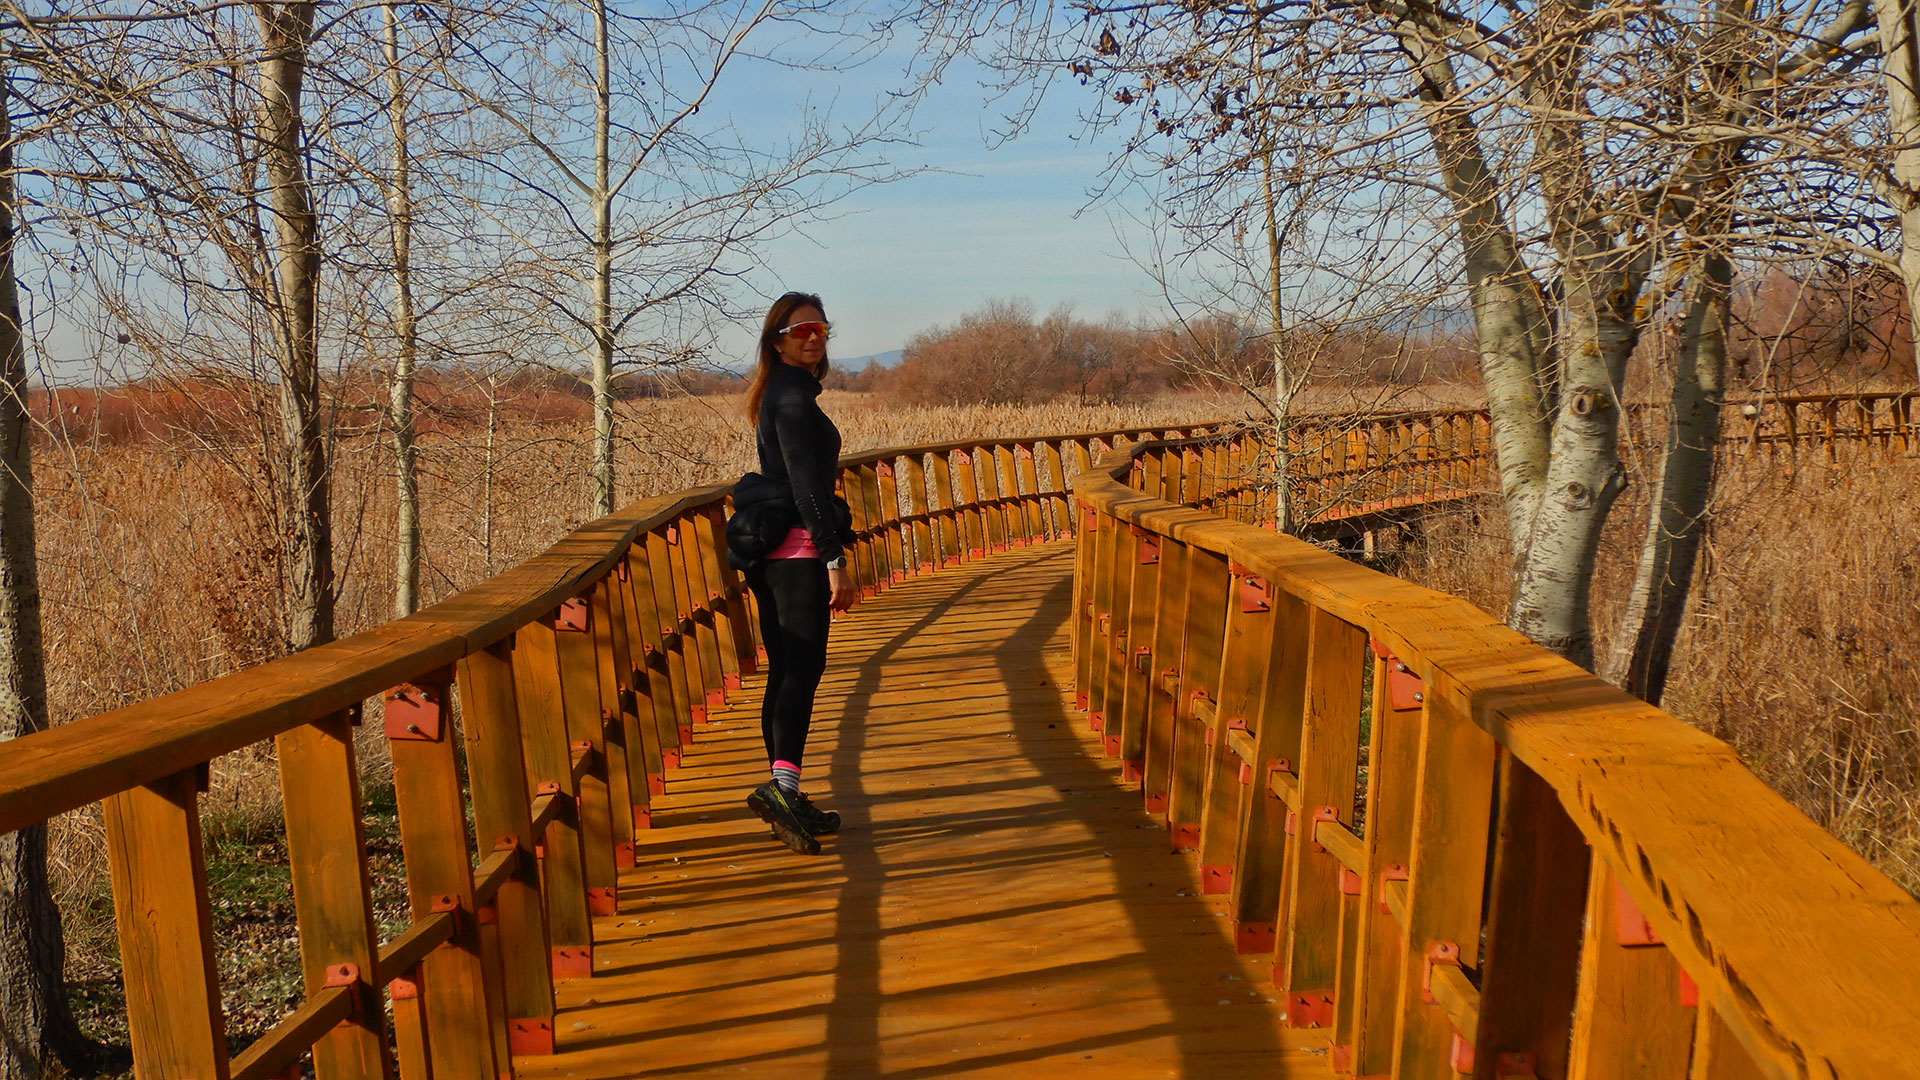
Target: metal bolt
point(413, 729)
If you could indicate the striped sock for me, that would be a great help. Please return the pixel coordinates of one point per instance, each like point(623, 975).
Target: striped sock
point(787, 776)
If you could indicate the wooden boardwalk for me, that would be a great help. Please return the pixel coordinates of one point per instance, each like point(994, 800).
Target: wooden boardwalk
point(996, 905)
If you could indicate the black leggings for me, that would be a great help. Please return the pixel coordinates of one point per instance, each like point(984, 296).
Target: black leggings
point(793, 596)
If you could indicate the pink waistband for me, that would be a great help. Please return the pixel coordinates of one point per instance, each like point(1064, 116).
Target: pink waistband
point(797, 545)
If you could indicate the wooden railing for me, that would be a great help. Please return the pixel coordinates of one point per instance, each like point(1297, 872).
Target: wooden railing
point(572, 682)
point(1463, 854)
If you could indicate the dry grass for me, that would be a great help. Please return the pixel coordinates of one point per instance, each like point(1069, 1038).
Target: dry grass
point(158, 571)
point(1793, 651)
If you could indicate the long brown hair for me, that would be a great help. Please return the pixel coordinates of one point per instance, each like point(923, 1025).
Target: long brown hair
point(777, 317)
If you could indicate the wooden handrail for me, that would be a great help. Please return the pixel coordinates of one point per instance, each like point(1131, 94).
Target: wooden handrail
point(1809, 956)
point(583, 674)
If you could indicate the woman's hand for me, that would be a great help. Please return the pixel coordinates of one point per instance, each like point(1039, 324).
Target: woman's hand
point(844, 593)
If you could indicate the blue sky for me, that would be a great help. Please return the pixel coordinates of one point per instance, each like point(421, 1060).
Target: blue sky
point(991, 219)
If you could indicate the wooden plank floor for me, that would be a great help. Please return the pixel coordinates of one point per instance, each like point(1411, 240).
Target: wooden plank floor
point(996, 905)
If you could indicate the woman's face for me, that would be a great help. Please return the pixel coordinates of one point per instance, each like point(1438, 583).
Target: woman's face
point(802, 354)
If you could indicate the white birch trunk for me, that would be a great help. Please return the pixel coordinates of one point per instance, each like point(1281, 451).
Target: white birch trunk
point(406, 569)
point(601, 358)
point(1282, 380)
point(1899, 24)
point(36, 1028)
point(1643, 648)
point(307, 540)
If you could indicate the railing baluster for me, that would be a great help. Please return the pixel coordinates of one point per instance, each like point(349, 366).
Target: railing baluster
point(899, 541)
point(1325, 750)
point(160, 908)
point(497, 779)
point(1126, 735)
point(689, 686)
point(1246, 652)
point(993, 511)
point(537, 687)
point(967, 497)
point(709, 543)
point(1628, 1019)
point(1536, 903)
point(580, 697)
point(693, 593)
point(865, 559)
point(622, 756)
point(952, 532)
point(1393, 760)
point(1452, 817)
point(1164, 677)
point(434, 842)
point(1209, 584)
point(1029, 484)
point(659, 709)
point(1100, 639)
point(332, 889)
point(925, 556)
point(1057, 507)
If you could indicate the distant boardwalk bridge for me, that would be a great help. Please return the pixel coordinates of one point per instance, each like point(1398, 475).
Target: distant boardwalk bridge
point(1134, 787)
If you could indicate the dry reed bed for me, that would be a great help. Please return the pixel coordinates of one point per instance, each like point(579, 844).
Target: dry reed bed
point(1793, 651)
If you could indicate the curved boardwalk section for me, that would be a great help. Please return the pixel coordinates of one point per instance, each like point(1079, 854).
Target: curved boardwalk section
point(996, 905)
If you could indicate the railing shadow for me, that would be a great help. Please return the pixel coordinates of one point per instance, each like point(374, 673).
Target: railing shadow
point(1149, 887)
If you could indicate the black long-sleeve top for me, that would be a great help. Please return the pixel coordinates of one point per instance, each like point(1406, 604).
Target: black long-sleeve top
point(800, 448)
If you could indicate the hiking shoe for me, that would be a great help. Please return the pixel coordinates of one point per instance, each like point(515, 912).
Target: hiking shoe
point(775, 809)
point(818, 822)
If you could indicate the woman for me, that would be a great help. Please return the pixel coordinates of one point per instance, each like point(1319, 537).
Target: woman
point(801, 579)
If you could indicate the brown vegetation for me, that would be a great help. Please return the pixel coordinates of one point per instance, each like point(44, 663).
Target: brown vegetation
point(1793, 649)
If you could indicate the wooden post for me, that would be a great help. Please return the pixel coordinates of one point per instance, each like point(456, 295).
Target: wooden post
point(710, 543)
point(1393, 761)
point(332, 890)
point(497, 779)
point(676, 642)
point(691, 556)
point(1084, 622)
point(1209, 585)
point(1165, 679)
point(1240, 683)
point(993, 513)
point(1007, 484)
point(1535, 907)
point(624, 762)
point(967, 497)
point(868, 559)
point(1060, 513)
point(1028, 477)
point(1628, 1020)
point(1129, 740)
point(899, 541)
point(433, 838)
point(733, 601)
point(649, 628)
point(543, 731)
point(926, 556)
point(586, 736)
point(160, 908)
point(1325, 754)
point(1452, 820)
point(1100, 640)
point(952, 532)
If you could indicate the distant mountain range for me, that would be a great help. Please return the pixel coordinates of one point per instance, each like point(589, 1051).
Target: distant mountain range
point(860, 363)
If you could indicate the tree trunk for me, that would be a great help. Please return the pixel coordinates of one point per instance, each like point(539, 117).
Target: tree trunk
point(1899, 70)
point(406, 586)
point(36, 1028)
point(1282, 381)
point(602, 358)
point(1643, 648)
point(285, 33)
point(1509, 314)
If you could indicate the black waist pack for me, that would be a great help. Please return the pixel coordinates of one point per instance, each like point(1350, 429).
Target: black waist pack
point(763, 515)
